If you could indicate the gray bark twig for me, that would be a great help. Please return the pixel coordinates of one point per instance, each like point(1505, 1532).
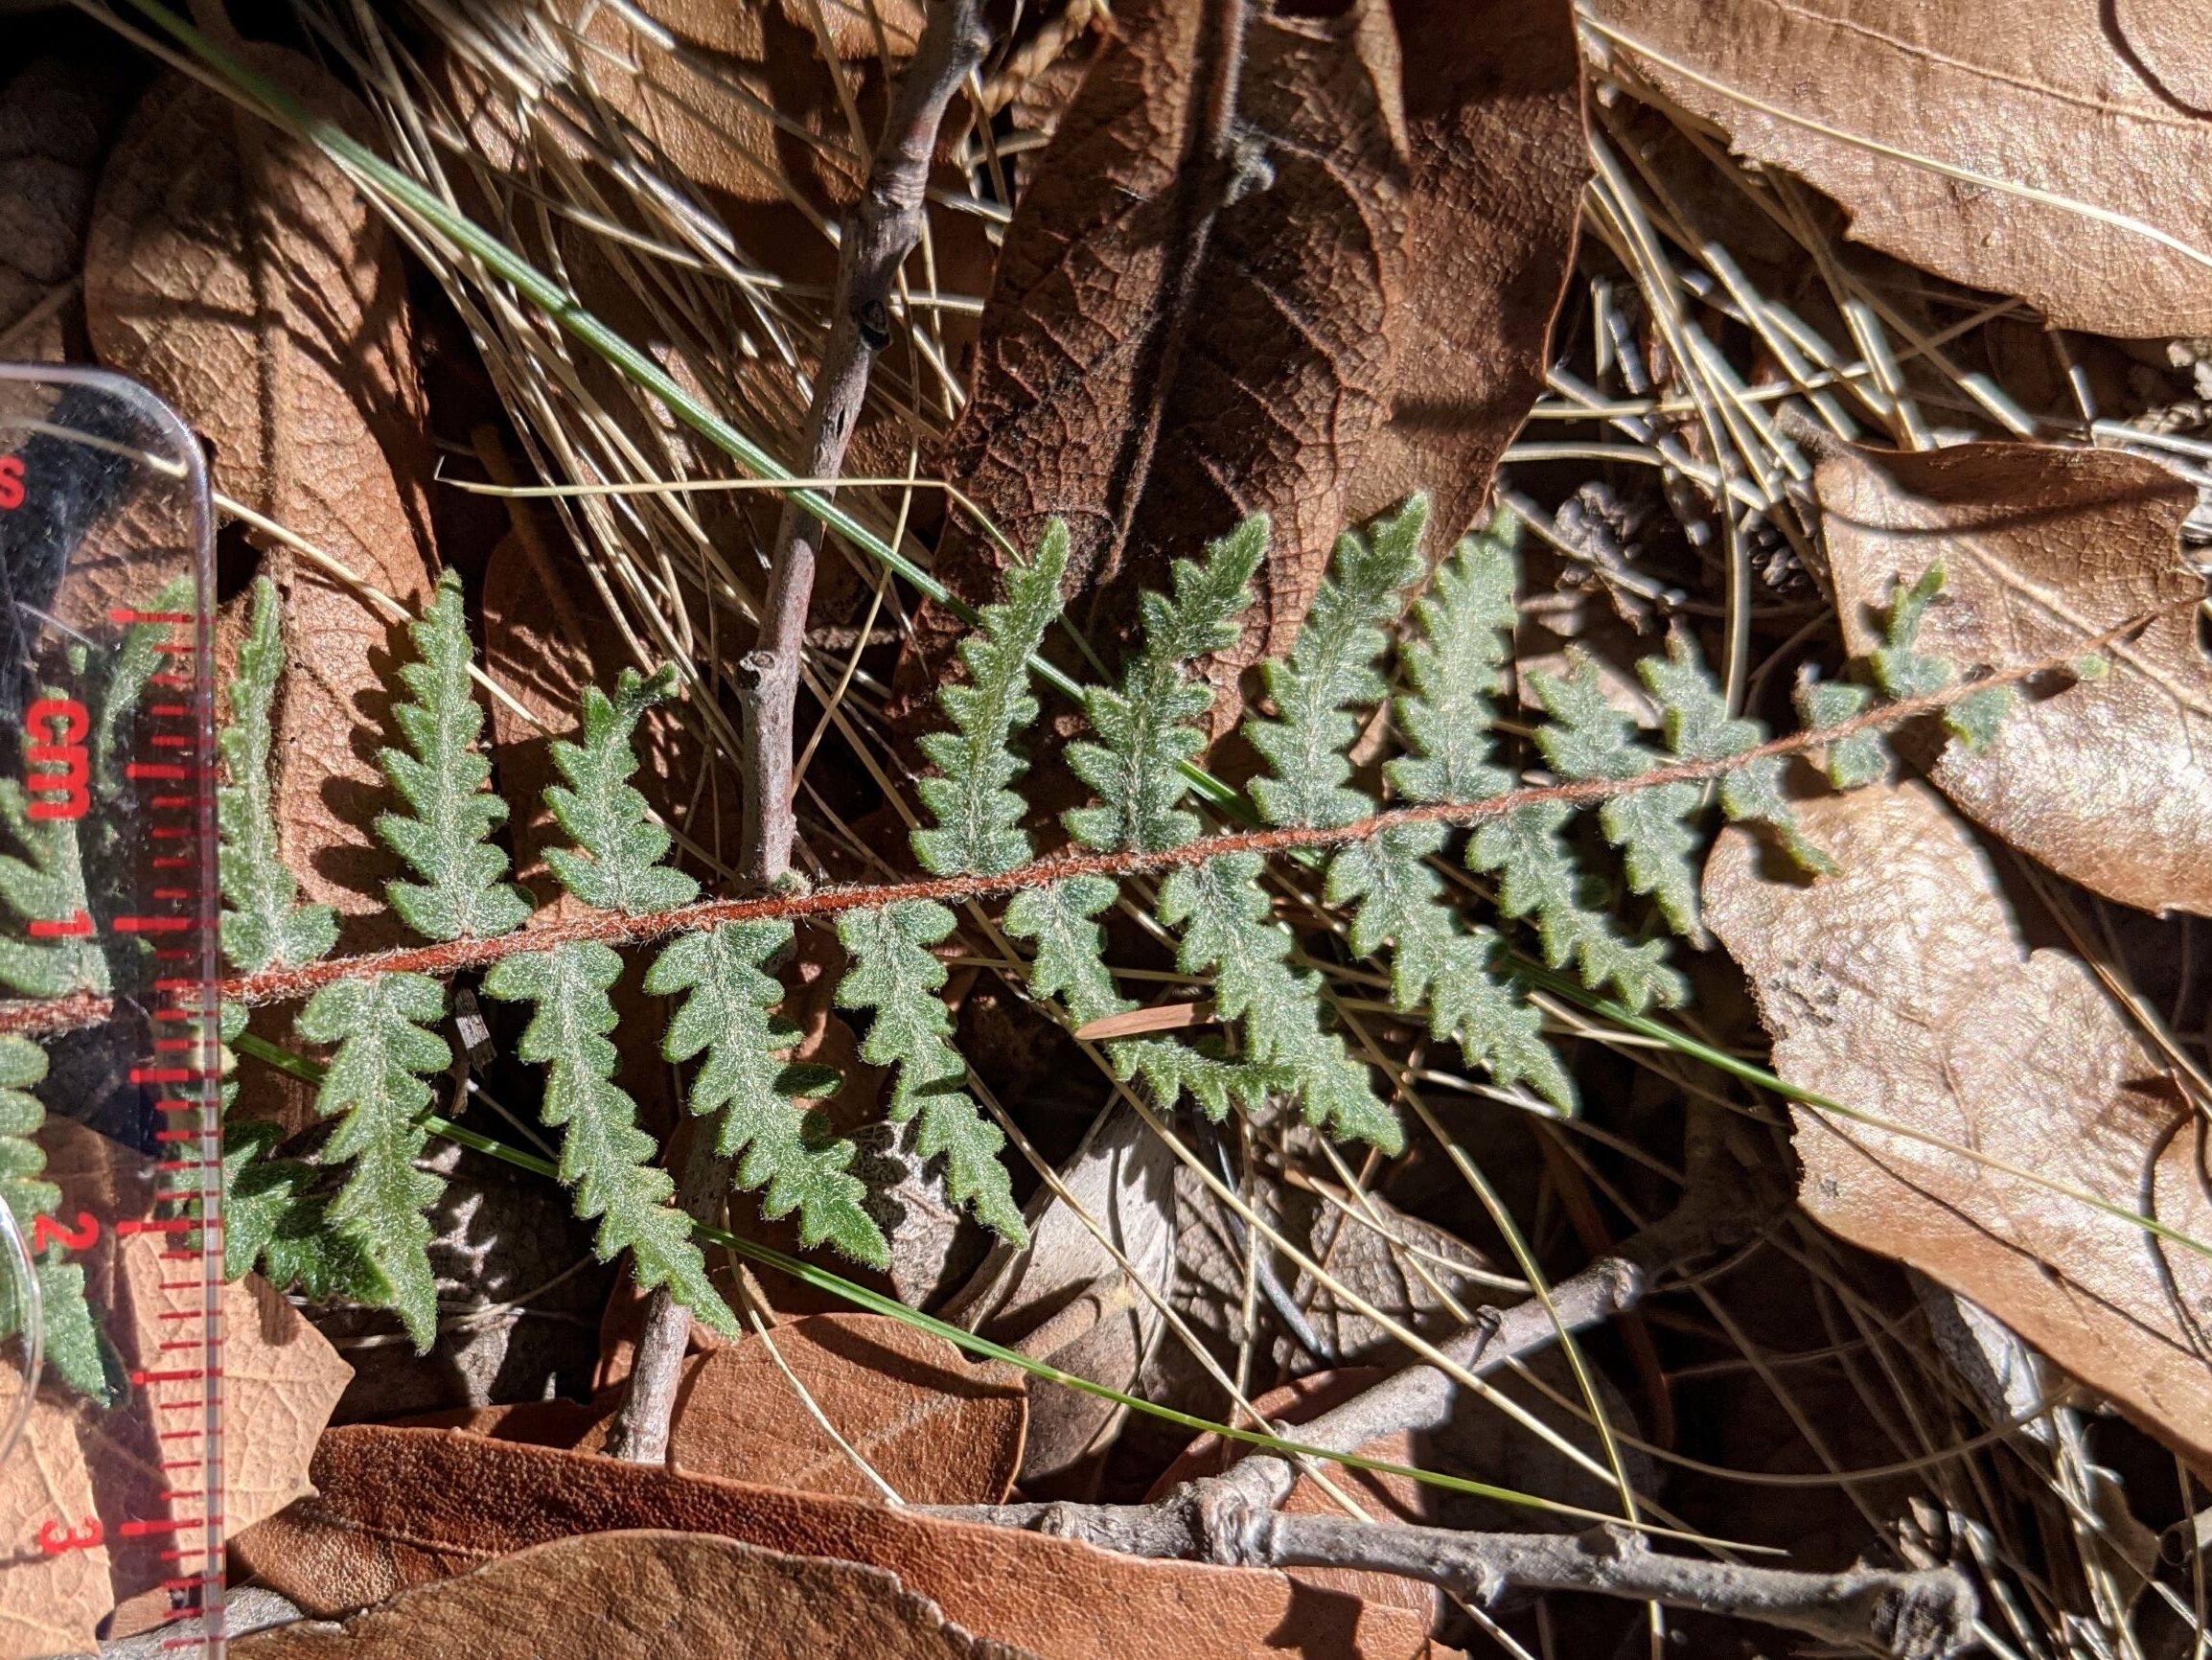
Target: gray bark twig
point(1234, 1519)
point(881, 229)
point(1913, 1614)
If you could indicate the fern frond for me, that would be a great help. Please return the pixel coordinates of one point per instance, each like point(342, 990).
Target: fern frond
point(461, 895)
point(979, 819)
point(71, 1334)
point(1853, 761)
point(603, 1155)
point(619, 866)
point(382, 1026)
point(895, 975)
point(727, 997)
point(263, 923)
point(1331, 671)
point(1144, 728)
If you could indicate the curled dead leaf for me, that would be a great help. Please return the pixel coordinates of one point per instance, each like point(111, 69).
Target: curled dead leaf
point(627, 1596)
point(242, 275)
point(938, 1430)
point(1901, 988)
point(1493, 109)
point(2107, 783)
point(398, 1508)
point(1190, 319)
point(1916, 118)
point(1064, 1298)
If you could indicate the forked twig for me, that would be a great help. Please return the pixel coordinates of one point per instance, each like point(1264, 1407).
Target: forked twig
point(883, 228)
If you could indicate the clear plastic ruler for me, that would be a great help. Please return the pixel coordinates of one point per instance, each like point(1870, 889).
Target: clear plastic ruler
point(111, 1419)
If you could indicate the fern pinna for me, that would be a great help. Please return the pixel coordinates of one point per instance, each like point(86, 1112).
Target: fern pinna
point(349, 1218)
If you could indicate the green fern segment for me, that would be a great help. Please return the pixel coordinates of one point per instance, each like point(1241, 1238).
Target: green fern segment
point(1698, 727)
point(1588, 738)
point(46, 883)
point(139, 656)
point(895, 975)
point(727, 997)
point(264, 924)
point(1331, 671)
point(72, 1338)
point(1228, 929)
point(977, 815)
point(461, 894)
point(385, 1049)
point(619, 866)
point(603, 1155)
point(1060, 920)
point(1146, 728)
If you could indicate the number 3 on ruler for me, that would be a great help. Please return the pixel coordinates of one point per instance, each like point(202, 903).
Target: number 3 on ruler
point(54, 1538)
point(45, 1230)
point(11, 482)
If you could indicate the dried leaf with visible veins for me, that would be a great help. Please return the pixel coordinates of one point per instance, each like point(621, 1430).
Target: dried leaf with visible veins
point(399, 1507)
point(1493, 105)
point(242, 276)
point(1901, 988)
point(939, 1430)
point(625, 1596)
point(2168, 38)
point(2046, 97)
point(1190, 320)
point(55, 1602)
point(280, 1377)
point(2106, 783)
point(56, 115)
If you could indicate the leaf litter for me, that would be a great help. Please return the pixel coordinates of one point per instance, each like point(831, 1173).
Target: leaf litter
point(1400, 184)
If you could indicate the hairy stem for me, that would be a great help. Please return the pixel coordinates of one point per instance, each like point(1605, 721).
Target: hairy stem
point(618, 927)
point(878, 234)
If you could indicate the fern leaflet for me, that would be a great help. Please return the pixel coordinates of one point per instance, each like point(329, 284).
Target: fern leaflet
point(375, 1080)
point(619, 866)
point(264, 924)
point(977, 815)
point(461, 894)
point(603, 1155)
point(786, 1149)
point(894, 973)
point(72, 1335)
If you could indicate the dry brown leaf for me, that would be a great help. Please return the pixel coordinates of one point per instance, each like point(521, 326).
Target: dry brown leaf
point(398, 1508)
point(2107, 784)
point(645, 1595)
point(54, 1599)
point(1190, 320)
point(244, 278)
point(280, 1377)
point(56, 115)
point(1493, 106)
point(939, 1430)
point(1123, 1178)
point(1901, 988)
point(2044, 96)
point(2167, 38)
